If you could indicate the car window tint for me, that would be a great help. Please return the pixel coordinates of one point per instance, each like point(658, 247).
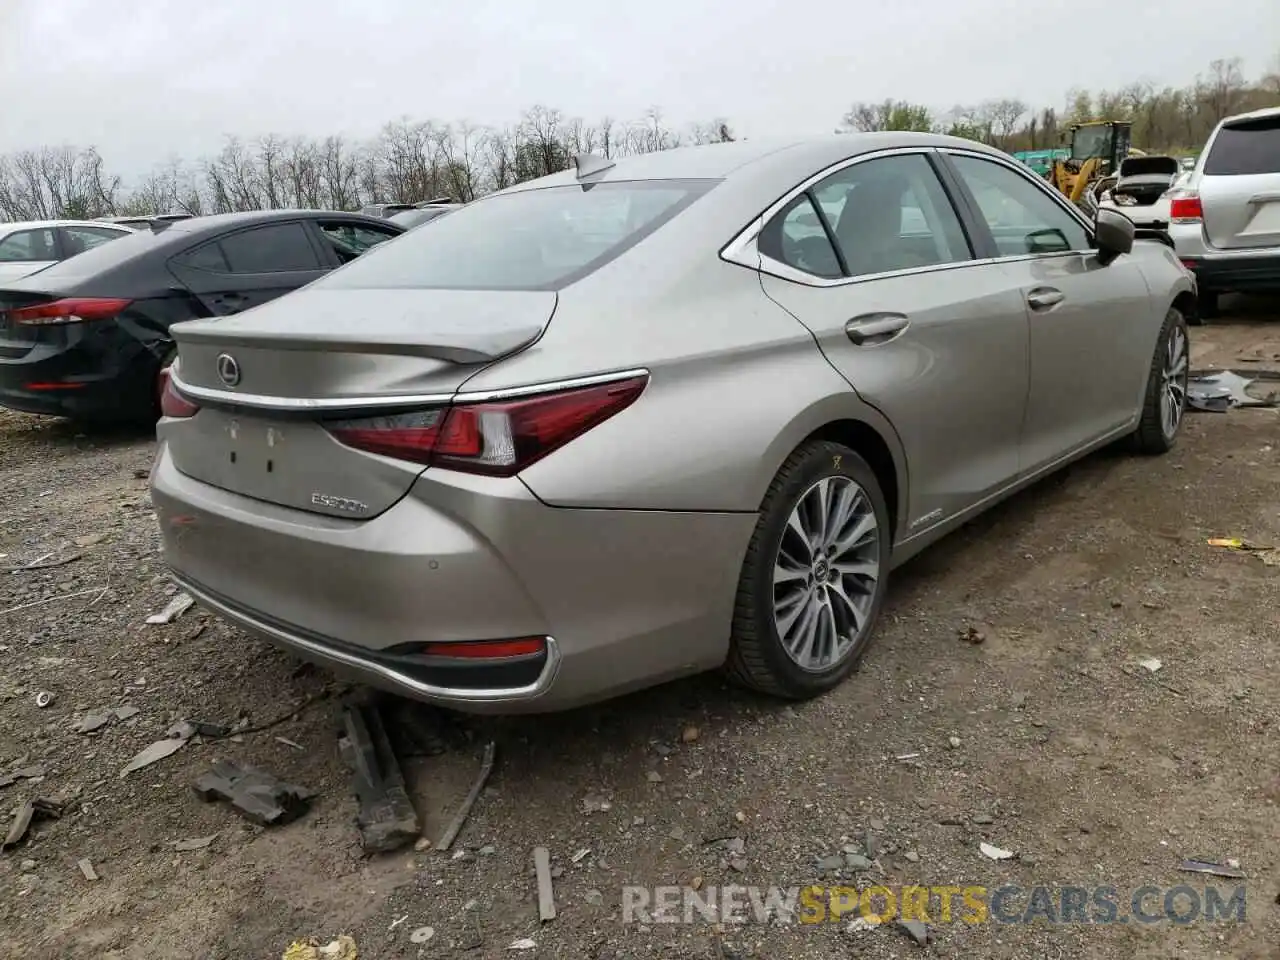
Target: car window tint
point(891, 214)
point(277, 248)
point(540, 239)
point(79, 239)
point(1245, 149)
point(795, 236)
point(207, 256)
point(1022, 217)
point(349, 240)
point(29, 245)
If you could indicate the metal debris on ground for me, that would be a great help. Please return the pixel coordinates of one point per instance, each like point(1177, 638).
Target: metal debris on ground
point(214, 731)
point(422, 935)
point(29, 812)
point(343, 948)
point(1221, 390)
point(48, 561)
point(1151, 664)
point(1211, 868)
point(546, 894)
point(157, 751)
point(93, 721)
point(291, 743)
point(193, 843)
point(916, 930)
point(86, 868)
point(459, 818)
point(524, 943)
point(32, 772)
point(179, 605)
point(1269, 555)
point(995, 853)
point(43, 699)
point(254, 794)
point(972, 635)
point(387, 819)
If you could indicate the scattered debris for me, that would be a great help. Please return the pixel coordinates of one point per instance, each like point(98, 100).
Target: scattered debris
point(594, 803)
point(1211, 868)
point(343, 948)
point(387, 819)
point(28, 812)
point(546, 895)
point(690, 734)
point(179, 605)
point(43, 699)
point(86, 867)
point(995, 853)
point(953, 743)
point(916, 930)
point(45, 563)
point(578, 857)
point(422, 935)
point(126, 712)
point(157, 751)
point(1219, 391)
point(653, 776)
point(290, 743)
point(972, 635)
point(1151, 664)
point(422, 844)
point(214, 731)
point(254, 794)
point(459, 818)
point(33, 772)
point(906, 756)
point(41, 603)
point(193, 843)
point(524, 943)
point(862, 925)
point(93, 721)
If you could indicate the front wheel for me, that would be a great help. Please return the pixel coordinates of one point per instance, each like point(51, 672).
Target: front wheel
point(814, 577)
point(1165, 401)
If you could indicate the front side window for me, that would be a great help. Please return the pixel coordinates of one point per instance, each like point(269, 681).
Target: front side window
point(28, 245)
point(539, 239)
point(349, 240)
point(1022, 217)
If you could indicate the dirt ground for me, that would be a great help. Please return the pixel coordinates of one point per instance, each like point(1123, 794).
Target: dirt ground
point(1067, 752)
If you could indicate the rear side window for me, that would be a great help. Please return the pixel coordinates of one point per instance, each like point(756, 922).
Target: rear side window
point(1245, 149)
point(207, 256)
point(541, 239)
point(28, 245)
point(796, 237)
point(278, 248)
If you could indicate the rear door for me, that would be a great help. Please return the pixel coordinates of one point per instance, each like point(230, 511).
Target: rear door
point(1091, 341)
point(873, 259)
point(1240, 185)
point(250, 267)
point(23, 252)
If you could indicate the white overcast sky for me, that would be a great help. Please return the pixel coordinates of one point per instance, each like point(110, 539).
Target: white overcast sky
point(143, 80)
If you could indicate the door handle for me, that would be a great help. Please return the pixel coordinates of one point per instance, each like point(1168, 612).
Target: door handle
point(873, 328)
point(1044, 298)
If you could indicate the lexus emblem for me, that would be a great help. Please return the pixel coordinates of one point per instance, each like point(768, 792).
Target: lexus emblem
point(228, 369)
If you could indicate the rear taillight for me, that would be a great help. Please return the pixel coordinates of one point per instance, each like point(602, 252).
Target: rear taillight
point(172, 403)
point(1186, 209)
point(498, 438)
point(70, 310)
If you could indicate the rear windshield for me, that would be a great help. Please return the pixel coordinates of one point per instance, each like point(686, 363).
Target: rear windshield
point(540, 239)
point(102, 257)
point(1243, 149)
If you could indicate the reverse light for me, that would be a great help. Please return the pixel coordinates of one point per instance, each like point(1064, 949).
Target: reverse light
point(1186, 209)
point(70, 310)
point(498, 438)
point(172, 403)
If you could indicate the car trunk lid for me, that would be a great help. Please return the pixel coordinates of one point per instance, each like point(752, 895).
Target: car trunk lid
point(270, 379)
point(19, 339)
point(1240, 185)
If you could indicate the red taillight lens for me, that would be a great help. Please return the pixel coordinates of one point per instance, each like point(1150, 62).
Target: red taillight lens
point(1185, 209)
point(497, 439)
point(172, 403)
point(487, 649)
point(71, 310)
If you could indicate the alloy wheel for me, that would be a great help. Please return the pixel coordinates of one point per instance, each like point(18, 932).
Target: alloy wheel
point(1173, 382)
point(825, 573)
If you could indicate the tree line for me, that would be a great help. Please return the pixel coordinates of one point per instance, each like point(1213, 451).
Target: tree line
point(410, 161)
point(1175, 120)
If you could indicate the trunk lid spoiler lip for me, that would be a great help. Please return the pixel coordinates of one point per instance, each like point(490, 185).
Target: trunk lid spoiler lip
point(337, 405)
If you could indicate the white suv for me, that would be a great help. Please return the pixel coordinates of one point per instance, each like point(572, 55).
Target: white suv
point(1225, 218)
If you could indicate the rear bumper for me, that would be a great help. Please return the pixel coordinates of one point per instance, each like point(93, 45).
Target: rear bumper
point(625, 599)
point(102, 382)
point(1218, 270)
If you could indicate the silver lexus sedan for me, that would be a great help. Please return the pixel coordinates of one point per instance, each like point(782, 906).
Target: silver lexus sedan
point(651, 417)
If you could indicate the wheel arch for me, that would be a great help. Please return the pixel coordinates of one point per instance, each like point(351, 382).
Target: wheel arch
point(857, 426)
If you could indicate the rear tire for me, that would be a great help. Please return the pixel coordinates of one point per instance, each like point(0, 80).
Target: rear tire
point(1165, 403)
point(818, 564)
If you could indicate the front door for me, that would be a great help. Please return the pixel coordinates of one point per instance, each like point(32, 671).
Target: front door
point(1090, 349)
point(874, 261)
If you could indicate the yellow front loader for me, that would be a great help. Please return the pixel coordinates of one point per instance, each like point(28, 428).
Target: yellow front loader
point(1097, 149)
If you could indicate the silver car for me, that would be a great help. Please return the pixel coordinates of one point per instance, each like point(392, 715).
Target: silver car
point(1225, 218)
point(648, 418)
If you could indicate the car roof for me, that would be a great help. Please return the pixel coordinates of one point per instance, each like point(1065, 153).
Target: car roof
point(37, 224)
point(1265, 113)
point(717, 161)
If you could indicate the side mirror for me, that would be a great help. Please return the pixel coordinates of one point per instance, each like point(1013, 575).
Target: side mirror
point(1114, 233)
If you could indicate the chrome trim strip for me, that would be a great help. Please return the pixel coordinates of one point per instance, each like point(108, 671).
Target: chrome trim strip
point(549, 386)
point(296, 404)
point(412, 687)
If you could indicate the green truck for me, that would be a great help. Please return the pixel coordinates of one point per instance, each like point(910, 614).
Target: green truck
point(1041, 161)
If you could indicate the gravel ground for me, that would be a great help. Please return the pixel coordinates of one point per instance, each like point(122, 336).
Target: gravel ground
point(1046, 739)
